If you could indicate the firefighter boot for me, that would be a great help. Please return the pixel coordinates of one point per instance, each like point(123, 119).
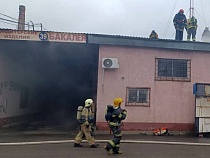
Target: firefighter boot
point(94, 146)
point(77, 145)
point(108, 149)
point(116, 150)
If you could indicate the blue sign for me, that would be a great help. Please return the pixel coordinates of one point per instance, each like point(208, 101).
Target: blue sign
point(43, 36)
point(194, 88)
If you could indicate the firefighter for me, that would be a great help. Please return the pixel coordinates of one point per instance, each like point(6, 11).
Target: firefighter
point(85, 126)
point(180, 22)
point(115, 121)
point(153, 35)
point(191, 28)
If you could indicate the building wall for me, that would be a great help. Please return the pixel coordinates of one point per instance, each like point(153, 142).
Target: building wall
point(172, 103)
point(12, 93)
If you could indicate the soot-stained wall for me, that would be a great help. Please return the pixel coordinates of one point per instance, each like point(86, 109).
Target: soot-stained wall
point(47, 78)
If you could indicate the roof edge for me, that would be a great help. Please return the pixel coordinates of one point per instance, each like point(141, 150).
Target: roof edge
point(146, 42)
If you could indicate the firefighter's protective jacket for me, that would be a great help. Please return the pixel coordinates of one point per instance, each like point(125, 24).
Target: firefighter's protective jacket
point(86, 115)
point(180, 21)
point(192, 23)
point(118, 115)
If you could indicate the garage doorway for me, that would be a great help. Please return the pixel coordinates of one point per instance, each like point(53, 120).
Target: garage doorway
point(47, 80)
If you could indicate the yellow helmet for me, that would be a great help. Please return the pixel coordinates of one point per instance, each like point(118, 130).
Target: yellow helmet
point(88, 102)
point(118, 101)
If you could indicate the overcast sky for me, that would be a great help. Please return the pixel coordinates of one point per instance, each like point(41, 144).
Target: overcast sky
point(118, 17)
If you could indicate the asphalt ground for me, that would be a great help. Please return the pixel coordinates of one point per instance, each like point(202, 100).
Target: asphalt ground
point(130, 150)
point(100, 136)
point(59, 144)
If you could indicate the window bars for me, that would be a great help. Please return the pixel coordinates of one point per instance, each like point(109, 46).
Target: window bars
point(172, 69)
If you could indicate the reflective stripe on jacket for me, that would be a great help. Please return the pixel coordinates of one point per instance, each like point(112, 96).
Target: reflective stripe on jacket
point(192, 22)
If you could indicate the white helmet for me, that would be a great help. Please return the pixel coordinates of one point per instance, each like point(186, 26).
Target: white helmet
point(88, 102)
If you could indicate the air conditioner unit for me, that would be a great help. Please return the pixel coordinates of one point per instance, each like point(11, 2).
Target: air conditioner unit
point(110, 63)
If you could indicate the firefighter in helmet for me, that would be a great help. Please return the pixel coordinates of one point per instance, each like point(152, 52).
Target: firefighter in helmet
point(191, 28)
point(180, 22)
point(115, 121)
point(85, 126)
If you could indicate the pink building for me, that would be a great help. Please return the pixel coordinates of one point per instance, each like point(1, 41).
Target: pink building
point(155, 78)
point(47, 75)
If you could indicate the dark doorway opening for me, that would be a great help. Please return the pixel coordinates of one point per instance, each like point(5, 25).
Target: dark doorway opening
point(54, 78)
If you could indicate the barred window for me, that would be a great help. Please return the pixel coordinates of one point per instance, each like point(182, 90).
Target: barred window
point(138, 96)
point(173, 69)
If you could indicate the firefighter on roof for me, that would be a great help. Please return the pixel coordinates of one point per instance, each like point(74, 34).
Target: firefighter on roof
point(180, 22)
point(191, 28)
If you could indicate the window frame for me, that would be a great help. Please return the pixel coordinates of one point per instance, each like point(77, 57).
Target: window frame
point(166, 78)
point(145, 104)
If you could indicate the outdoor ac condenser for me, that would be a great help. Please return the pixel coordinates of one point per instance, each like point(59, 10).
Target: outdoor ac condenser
point(110, 63)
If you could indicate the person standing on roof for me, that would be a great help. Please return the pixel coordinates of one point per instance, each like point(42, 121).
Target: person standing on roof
point(180, 22)
point(191, 28)
point(206, 35)
point(153, 35)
